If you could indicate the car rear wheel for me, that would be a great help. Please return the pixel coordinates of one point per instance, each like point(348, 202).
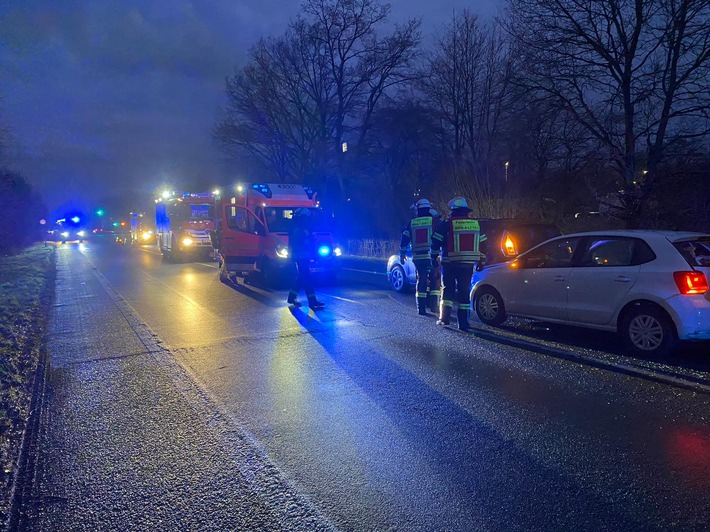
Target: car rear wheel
point(398, 279)
point(648, 331)
point(489, 306)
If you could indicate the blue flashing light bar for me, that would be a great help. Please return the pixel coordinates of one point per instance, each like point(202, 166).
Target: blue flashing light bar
point(324, 251)
point(309, 191)
point(263, 189)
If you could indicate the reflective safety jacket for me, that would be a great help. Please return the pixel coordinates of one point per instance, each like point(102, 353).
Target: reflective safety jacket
point(418, 232)
point(458, 238)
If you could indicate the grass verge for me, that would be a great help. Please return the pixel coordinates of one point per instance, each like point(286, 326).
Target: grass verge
point(26, 292)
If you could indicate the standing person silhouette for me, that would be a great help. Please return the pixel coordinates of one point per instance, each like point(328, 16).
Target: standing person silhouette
point(301, 250)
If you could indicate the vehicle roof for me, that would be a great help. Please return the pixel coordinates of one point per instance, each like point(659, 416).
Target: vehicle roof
point(670, 235)
point(514, 221)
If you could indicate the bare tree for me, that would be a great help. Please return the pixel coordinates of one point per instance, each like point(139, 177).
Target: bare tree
point(304, 94)
point(466, 82)
point(634, 73)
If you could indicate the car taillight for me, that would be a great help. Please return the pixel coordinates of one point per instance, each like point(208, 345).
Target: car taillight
point(509, 245)
point(691, 282)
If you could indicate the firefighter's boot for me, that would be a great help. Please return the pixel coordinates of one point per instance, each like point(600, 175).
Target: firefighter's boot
point(421, 305)
point(444, 315)
point(314, 304)
point(292, 299)
point(462, 316)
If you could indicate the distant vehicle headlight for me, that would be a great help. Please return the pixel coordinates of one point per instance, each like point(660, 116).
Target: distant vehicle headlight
point(337, 252)
point(146, 236)
point(282, 252)
point(187, 241)
point(81, 233)
point(65, 234)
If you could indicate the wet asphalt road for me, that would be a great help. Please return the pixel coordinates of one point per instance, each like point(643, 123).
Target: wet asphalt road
point(363, 416)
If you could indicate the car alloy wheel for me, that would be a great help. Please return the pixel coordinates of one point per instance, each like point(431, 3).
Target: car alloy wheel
point(647, 331)
point(397, 279)
point(489, 306)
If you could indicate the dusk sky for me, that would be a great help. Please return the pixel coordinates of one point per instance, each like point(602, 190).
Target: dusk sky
point(101, 95)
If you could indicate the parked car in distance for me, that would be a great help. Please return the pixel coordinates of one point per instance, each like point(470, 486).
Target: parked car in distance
point(506, 238)
point(68, 234)
point(649, 286)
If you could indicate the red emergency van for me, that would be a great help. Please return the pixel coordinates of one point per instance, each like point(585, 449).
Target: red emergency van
point(252, 232)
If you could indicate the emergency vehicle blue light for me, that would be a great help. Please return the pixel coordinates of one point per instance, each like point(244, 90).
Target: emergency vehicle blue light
point(324, 251)
point(309, 191)
point(75, 219)
point(263, 189)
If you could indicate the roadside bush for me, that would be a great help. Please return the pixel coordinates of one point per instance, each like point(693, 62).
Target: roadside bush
point(372, 248)
point(22, 210)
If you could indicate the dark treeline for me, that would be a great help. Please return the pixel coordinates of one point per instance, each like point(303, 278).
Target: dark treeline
point(579, 113)
point(21, 207)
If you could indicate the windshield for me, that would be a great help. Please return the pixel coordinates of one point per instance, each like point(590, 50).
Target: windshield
point(192, 212)
point(278, 219)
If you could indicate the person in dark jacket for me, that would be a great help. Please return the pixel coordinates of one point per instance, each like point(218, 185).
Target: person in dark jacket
point(457, 239)
point(301, 250)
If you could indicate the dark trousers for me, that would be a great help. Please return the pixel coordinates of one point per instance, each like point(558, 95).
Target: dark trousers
point(423, 268)
point(457, 278)
point(304, 280)
point(435, 281)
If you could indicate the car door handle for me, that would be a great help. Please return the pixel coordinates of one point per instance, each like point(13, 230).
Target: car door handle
point(560, 278)
point(623, 279)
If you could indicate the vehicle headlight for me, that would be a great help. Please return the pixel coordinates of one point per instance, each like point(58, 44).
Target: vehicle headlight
point(187, 241)
point(146, 236)
point(282, 252)
point(65, 234)
point(81, 233)
point(324, 251)
point(337, 252)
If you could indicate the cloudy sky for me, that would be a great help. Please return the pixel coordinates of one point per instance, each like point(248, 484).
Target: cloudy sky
point(103, 95)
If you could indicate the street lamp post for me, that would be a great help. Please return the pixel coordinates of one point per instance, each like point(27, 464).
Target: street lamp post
point(507, 163)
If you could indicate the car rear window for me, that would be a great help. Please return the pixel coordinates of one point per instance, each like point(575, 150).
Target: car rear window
point(696, 252)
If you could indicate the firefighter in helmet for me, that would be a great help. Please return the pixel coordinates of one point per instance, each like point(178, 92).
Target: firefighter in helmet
point(418, 233)
point(457, 239)
point(302, 250)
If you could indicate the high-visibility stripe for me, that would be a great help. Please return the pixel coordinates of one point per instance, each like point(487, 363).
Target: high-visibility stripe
point(447, 303)
point(435, 292)
point(465, 306)
point(421, 295)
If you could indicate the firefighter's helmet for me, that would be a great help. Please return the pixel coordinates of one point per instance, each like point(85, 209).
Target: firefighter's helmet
point(458, 203)
point(423, 204)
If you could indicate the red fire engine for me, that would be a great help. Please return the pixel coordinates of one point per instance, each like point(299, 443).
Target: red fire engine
point(183, 223)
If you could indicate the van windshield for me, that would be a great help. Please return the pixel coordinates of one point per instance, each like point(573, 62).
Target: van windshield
point(278, 219)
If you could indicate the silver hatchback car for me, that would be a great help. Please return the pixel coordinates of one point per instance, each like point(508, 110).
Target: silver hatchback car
point(649, 286)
